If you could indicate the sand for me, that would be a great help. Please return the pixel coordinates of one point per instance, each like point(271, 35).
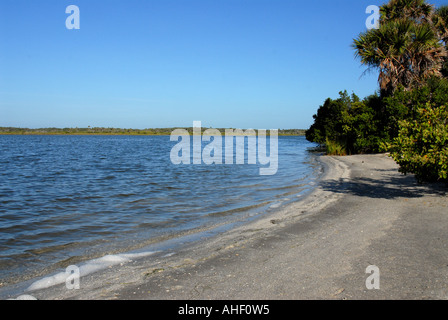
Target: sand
point(363, 213)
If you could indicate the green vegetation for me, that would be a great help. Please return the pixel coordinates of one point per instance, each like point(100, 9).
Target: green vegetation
point(347, 125)
point(421, 144)
point(83, 131)
point(118, 131)
point(408, 115)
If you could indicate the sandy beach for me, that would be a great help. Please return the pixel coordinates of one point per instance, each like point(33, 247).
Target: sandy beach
point(363, 213)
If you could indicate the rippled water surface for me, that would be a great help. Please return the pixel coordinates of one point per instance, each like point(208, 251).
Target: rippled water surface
point(67, 197)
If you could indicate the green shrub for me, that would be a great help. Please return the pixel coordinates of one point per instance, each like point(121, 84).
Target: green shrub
point(330, 119)
point(403, 104)
point(422, 144)
point(348, 124)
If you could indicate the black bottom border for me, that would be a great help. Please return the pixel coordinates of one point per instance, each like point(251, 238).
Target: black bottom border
point(221, 309)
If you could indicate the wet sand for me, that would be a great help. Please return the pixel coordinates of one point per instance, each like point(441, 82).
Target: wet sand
point(363, 213)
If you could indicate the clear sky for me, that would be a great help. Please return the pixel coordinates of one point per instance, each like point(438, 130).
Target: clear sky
point(260, 64)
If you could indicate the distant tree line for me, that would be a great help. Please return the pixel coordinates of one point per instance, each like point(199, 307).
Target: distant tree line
point(408, 115)
point(119, 131)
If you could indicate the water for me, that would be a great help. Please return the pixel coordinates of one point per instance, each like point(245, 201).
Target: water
point(64, 199)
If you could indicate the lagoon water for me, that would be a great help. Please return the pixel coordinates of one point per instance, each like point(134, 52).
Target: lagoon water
point(65, 199)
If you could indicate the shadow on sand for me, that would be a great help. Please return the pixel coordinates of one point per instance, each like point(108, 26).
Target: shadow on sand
point(385, 184)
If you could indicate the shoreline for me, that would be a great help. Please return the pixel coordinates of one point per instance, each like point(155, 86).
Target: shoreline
point(120, 134)
point(361, 213)
point(166, 241)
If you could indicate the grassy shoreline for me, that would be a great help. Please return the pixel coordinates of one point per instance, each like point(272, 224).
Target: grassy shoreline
point(119, 131)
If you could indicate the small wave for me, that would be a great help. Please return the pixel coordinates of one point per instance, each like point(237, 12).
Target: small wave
point(88, 267)
point(284, 187)
point(65, 199)
point(92, 197)
point(251, 185)
point(124, 195)
point(54, 248)
point(240, 209)
point(144, 201)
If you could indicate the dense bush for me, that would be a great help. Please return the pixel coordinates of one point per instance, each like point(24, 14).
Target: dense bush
point(422, 144)
point(348, 125)
point(329, 120)
point(403, 104)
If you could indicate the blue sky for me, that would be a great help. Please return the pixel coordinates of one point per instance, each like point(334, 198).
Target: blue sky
point(260, 64)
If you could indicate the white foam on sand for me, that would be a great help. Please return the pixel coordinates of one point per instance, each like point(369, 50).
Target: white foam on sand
point(24, 297)
point(88, 267)
point(275, 205)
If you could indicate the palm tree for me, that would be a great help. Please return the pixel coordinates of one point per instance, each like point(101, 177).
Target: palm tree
point(416, 10)
point(441, 22)
point(407, 47)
